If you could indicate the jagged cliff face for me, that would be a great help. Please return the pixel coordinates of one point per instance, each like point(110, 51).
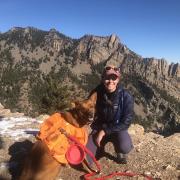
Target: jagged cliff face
point(153, 82)
point(155, 71)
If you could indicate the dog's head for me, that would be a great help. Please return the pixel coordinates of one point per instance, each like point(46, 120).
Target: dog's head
point(83, 111)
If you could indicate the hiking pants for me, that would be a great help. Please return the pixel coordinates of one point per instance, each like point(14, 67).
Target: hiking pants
point(121, 140)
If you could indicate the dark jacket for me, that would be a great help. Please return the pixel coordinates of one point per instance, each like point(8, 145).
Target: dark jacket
point(114, 111)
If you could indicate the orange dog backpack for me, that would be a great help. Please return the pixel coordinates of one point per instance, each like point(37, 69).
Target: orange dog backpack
point(57, 142)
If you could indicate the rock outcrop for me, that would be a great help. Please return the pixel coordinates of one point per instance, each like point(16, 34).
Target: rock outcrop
point(153, 154)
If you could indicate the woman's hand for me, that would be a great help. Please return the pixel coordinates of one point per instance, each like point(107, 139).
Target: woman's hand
point(100, 135)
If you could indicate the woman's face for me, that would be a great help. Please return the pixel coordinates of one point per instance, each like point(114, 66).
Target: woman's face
point(111, 82)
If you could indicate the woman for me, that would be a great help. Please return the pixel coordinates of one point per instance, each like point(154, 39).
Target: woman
point(114, 113)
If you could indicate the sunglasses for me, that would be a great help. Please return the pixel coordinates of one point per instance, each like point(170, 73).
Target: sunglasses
point(114, 68)
point(112, 77)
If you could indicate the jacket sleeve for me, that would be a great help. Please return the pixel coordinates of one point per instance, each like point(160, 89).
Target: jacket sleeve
point(126, 118)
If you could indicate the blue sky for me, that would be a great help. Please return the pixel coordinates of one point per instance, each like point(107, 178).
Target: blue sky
point(151, 28)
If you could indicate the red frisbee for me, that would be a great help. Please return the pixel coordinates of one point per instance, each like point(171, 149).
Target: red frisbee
point(75, 154)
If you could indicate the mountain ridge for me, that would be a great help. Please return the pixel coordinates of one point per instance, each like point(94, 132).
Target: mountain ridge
point(38, 59)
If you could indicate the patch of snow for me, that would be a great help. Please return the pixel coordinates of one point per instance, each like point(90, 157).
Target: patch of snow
point(18, 127)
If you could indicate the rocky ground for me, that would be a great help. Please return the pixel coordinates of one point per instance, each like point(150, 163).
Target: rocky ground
point(152, 155)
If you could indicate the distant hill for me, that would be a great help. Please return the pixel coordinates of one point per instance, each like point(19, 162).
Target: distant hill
point(42, 71)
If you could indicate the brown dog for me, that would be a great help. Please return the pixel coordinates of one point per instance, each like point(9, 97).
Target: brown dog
point(40, 164)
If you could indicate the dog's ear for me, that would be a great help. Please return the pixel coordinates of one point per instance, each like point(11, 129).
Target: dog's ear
point(93, 97)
